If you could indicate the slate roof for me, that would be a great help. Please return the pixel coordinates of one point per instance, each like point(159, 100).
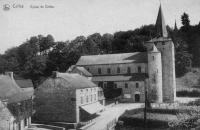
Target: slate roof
point(133, 77)
point(24, 83)
point(76, 81)
point(84, 71)
point(10, 91)
point(161, 30)
point(137, 57)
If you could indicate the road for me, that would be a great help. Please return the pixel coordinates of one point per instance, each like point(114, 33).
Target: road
point(112, 113)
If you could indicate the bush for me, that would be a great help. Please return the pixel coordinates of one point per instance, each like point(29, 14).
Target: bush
point(136, 122)
point(184, 93)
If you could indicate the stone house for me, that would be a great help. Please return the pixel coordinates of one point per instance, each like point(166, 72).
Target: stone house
point(16, 104)
point(153, 70)
point(66, 97)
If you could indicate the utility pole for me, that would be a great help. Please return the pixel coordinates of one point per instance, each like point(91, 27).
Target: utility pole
point(145, 107)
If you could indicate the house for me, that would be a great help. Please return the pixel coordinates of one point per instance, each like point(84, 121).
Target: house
point(153, 70)
point(16, 104)
point(67, 97)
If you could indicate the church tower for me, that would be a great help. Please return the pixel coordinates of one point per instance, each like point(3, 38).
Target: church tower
point(165, 45)
point(155, 76)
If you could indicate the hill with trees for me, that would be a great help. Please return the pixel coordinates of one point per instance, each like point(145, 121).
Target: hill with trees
point(38, 56)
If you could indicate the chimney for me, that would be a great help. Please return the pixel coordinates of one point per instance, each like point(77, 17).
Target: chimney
point(55, 74)
point(10, 74)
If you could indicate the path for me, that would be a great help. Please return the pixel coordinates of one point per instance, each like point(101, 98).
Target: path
point(112, 113)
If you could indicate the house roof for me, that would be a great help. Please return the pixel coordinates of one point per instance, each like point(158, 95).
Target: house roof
point(24, 83)
point(5, 114)
point(133, 77)
point(75, 80)
point(84, 71)
point(10, 91)
point(137, 57)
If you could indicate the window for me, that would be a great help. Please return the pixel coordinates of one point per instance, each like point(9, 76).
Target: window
point(108, 70)
point(128, 70)
point(153, 57)
point(87, 99)
point(137, 85)
point(118, 70)
point(81, 100)
point(88, 69)
point(25, 122)
point(105, 85)
point(91, 98)
point(95, 97)
point(100, 84)
point(139, 69)
point(99, 70)
point(126, 85)
point(115, 85)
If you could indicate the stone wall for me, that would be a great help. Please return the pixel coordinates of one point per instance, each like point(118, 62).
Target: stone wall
point(168, 70)
point(113, 68)
point(132, 90)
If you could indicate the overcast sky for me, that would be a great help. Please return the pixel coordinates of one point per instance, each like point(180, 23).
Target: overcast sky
point(71, 18)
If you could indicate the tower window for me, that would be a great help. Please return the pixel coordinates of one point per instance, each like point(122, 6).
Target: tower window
point(139, 69)
point(126, 85)
point(99, 70)
point(137, 85)
point(118, 70)
point(128, 70)
point(108, 70)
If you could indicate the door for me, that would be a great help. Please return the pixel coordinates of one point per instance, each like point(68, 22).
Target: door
point(137, 97)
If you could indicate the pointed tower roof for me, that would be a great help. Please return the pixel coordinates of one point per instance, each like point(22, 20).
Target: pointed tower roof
point(154, 49)
point(161, 30)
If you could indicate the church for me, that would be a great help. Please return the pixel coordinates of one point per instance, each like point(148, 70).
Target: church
point(153, 71)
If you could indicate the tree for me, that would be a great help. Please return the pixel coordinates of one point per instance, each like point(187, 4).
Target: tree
point(185, 20)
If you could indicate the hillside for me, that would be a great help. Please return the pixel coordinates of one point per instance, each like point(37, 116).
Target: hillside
point(190, 81)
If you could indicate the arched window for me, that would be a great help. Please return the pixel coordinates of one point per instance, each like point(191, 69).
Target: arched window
point(126, 85)
point(118, 70)
point(128, 70)
point(139, 69)
point(99, 70)
point(108, 70)
point(137, 85)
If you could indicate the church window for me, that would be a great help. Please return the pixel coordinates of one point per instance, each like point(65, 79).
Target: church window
point(126, 85)
point(115, 85)
point(137, 85)
point(139, 69)
point(108, 70)
point(128, 70)
point(118, 70)
point(99, 70)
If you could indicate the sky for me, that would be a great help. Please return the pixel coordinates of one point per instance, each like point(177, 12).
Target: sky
point(67, 19)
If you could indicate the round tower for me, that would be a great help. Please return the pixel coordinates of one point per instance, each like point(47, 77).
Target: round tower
point(155, 75)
